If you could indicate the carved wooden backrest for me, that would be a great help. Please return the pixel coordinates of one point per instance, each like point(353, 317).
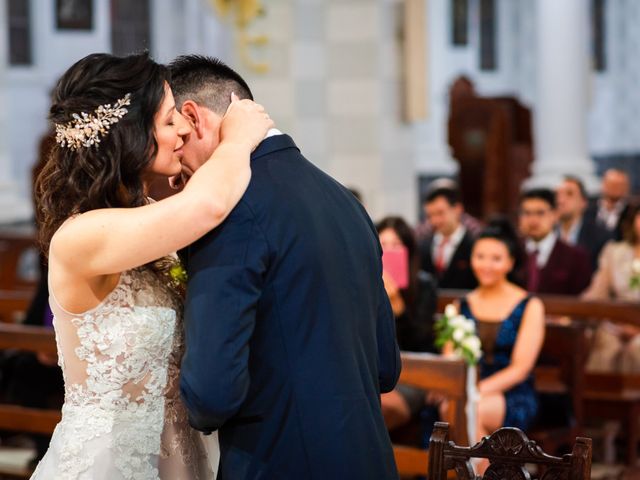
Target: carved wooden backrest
point(508, 451)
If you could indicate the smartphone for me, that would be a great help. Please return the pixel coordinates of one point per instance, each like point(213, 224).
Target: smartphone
point(395, 263)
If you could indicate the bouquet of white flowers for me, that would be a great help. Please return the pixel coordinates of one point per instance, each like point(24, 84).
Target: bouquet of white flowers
point(461, 332)
point(634, 282)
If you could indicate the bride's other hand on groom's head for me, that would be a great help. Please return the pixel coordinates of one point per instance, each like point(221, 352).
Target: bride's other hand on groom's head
point(245, 122)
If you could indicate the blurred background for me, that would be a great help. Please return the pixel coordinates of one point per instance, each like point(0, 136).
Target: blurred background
point(368, 88)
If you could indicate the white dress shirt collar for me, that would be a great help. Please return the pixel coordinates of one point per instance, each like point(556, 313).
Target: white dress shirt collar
point(572, 235)
point(544, 247)
point(452, 245)
point(272, 133)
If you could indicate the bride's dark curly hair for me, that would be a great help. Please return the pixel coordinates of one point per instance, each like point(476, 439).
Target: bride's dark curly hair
point(109, 174)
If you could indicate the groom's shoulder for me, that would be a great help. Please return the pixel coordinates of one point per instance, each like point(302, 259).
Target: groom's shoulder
point(275, 146)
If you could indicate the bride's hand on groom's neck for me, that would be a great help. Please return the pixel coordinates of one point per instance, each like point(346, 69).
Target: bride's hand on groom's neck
point(245, 122)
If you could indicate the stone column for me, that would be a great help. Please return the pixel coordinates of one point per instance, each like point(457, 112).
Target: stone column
point(432, 146)
point(560, 115)
point(13, 208)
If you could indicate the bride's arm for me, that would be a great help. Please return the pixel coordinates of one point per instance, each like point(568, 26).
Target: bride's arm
point(107, 241)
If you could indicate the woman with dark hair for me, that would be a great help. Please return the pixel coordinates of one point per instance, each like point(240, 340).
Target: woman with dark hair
point(114, 280)
point(413, 307)
point(510, 325)
point(617, 347)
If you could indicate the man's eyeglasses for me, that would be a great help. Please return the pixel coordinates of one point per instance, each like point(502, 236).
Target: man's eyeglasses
point(534, 213)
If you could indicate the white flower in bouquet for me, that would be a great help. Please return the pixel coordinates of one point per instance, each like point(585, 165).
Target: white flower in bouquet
point(461, 332)
point(450, 311)
point(472, 343)
point(459, 321)
point(458, 335)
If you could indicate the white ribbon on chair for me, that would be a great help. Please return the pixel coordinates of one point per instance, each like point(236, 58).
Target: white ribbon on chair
point(471, 409)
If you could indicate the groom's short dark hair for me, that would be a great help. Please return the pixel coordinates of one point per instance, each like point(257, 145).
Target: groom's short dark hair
point(207, 81)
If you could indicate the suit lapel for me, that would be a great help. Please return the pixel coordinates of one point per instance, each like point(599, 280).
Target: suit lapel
point(551, 261)
point(456, 257)
point(427, 255)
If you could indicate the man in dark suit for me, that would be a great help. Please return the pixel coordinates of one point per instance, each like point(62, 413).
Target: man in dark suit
point(290, 335)
point(610, 209)
point(574, 227)
point(446, 253)
point(552, 265)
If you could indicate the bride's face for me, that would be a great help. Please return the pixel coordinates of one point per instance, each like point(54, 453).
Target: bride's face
point(170, 130)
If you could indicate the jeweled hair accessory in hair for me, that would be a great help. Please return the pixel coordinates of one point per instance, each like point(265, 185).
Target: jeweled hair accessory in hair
point(85, 130)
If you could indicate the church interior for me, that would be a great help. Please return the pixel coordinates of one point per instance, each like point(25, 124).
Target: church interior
point(446, 118)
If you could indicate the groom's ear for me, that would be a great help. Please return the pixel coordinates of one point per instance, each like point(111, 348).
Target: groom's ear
point(192, 114)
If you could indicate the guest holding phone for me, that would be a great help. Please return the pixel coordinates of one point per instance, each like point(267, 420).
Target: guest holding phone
point(412, 294)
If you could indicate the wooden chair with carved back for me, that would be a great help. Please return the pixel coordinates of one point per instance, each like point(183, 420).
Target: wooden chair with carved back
point(509, 452)
point(438, 374)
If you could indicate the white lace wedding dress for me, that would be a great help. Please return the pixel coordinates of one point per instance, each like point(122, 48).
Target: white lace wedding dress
point(122, 417)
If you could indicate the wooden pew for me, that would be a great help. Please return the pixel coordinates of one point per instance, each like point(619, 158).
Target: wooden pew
point(435, 373)
point(560, 370)
point(23, 419)
point(13, 304)
point(574, 307)
point(27, 338)
point(616, 396)
point(17, 249)
point(14, 247)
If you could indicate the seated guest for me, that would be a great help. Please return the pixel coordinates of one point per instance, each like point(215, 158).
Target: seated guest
point(414, 308)
point(445, 254)
point(611, 207)
point(574, 228)
point(425, 229)
point(617, 347)
point(552, 265)
point(510, 325)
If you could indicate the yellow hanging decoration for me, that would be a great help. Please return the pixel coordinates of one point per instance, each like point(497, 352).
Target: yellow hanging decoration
point(245, 12)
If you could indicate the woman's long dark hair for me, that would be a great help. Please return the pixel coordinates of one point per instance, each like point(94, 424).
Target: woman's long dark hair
point(110, 173)
point(501, 229)
point(407, 237)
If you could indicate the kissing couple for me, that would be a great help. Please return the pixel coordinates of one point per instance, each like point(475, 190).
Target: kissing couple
point(272, 327)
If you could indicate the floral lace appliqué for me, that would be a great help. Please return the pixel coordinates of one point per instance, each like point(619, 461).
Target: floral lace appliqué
point(128, 350)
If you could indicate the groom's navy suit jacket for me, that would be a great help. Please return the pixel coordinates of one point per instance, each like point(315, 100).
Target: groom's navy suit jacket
point(290, 336)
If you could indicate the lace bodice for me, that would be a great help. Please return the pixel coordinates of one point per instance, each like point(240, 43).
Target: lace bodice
point(117, 354)
point(120, 362)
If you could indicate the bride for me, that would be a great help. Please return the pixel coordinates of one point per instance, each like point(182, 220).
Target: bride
point(114, 281)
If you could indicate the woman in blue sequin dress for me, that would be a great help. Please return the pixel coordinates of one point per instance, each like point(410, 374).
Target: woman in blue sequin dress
point(510, 324)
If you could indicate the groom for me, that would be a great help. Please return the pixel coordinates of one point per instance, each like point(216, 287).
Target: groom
point(290, 336)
